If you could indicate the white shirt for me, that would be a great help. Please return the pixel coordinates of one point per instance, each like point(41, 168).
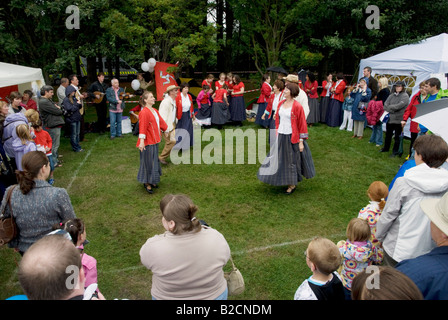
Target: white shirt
point(186, 103)
point(277, 99)
point(284, 126)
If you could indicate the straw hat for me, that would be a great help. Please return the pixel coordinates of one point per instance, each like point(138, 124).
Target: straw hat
point(171, 87)
point(292, 78)
point(437, 211)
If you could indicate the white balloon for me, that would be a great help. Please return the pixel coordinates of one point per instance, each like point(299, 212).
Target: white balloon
point(135, 84)
point(145, 66)
point(152, 62)
point(151, 69)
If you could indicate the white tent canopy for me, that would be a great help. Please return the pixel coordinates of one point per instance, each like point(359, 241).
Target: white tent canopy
point(24, 77)
point(421, 61)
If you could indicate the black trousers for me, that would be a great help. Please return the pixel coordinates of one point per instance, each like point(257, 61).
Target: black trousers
point(101, 112)
point(394, 130)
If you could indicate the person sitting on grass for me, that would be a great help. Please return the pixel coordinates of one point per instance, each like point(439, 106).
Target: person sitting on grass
point(323, 258)
point(384, 283)
point(51, 269)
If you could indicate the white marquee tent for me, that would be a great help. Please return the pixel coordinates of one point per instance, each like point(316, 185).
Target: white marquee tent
point(420, 61)
point(22, 77)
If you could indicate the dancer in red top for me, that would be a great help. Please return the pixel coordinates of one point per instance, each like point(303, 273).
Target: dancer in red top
point(265, 93)
point(290, 157)
point(311, 91)
point(150, 126)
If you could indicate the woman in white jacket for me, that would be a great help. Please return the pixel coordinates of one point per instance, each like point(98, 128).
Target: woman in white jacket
point(403, 228)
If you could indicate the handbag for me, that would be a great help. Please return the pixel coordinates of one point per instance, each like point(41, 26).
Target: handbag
point(385, 117)
point(8, 227)
point(235, 280)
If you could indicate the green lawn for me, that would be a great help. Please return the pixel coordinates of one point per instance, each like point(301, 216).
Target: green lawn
point(267, 231)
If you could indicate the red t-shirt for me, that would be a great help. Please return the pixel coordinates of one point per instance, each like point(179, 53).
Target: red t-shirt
point(219, 96)
point(237, 88)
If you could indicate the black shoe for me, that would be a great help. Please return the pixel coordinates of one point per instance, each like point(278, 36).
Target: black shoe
point(148, 188)
point(384, 150)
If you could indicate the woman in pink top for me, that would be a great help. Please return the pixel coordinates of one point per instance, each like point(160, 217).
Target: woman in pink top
point(187, 260)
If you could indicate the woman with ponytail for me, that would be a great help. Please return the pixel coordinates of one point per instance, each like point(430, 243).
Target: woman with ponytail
point(187, 260)
point(77, 231)
point(35, 204)
point(377, 194)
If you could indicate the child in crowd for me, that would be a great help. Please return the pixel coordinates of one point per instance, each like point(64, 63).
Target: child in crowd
point(377, 193)
point(347, 105)
point(204, 114)
point(375, 110)
point(357, 252)
point(76, 229)
point(323, 258)
point(43, 140)
point(23, 145)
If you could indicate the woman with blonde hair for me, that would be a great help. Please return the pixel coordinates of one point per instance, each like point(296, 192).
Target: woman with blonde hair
point(23, 145)
point(383, 84)
point(187, 260)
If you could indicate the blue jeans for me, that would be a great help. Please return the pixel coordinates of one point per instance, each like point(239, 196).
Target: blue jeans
point(115, 124)
point(377, 134)
point(75, 128)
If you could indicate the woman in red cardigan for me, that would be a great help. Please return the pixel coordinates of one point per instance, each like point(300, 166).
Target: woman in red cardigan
point(325, 97)
point(311, 91)
point(265, 93)
point(290, 157)
point(411, 111)
point(334, 111)
point(150, 125)
point(185, 117)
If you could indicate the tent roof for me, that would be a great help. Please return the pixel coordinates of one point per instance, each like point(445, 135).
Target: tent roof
point(428, 56)
point(431, 49)
point(12, 74)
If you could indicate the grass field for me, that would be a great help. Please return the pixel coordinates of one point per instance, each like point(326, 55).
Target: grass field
point(267, 231)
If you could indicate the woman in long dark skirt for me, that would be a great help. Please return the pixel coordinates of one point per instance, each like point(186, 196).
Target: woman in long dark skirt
point(265, 93)
point(220, 109)
point(290, 157)
point(185, 117)
point(325, 97)
point(238, 106)
point(150, 126)
point(334, 111)
point(271, 109)
point(204, 115)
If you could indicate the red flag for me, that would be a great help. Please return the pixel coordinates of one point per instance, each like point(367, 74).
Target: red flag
point(163, 78)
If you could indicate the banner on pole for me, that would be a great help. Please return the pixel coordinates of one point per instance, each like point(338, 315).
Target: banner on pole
point(163, 78)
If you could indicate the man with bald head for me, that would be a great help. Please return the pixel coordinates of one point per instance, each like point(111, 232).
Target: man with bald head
point(51, 269)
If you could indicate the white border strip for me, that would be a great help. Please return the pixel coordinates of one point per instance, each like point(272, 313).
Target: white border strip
point(75, 175)
point(238, 252)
